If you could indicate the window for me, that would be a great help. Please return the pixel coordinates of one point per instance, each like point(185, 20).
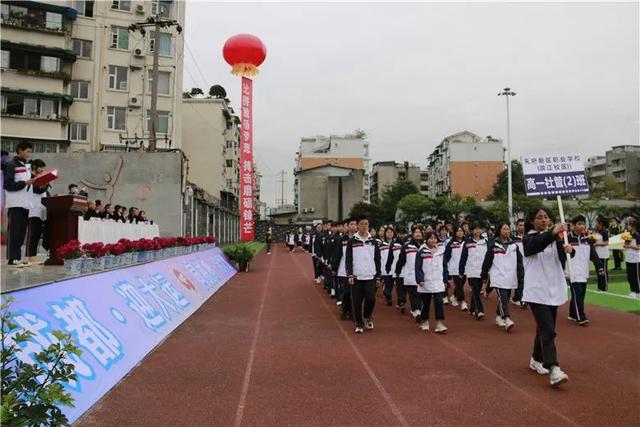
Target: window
point(53, 21)
point(118, 77)
point(121, 5)
point(30, 107)
point(5, 58)
point(78, 131)
point(79, 90)
point(164, 81)
point(11, 11)
point(116, 118)
point(161, 7)
point(165, 43)
point(229, 183)
point(50, 64)
point(85, 8)
point(82, 48)
point(162, 125)
point(119, 38)
point(229, 163)
point(4, 104)
point(46, 109)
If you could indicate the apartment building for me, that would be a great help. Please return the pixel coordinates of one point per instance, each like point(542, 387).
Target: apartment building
point(465, 164)
point(596, 170)
point(623, 163)
point(387, 173)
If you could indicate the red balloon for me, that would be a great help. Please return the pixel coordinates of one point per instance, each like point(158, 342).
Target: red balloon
point(245, 53)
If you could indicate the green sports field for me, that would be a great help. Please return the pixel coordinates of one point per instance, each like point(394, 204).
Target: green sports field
point(618, 295)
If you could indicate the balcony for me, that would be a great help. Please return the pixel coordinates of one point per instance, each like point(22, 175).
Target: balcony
point(36, 16)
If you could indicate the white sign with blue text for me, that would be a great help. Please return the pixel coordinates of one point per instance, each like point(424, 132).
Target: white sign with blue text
point(556, 174)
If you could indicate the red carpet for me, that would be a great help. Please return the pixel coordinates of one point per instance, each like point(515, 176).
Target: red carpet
point(269, 349)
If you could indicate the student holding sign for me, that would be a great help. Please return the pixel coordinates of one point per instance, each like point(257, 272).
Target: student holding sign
point(545, 288)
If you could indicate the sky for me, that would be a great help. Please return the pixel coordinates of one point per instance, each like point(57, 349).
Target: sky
point(410, 74)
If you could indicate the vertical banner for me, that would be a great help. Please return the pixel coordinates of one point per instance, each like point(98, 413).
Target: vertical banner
point(246, 162)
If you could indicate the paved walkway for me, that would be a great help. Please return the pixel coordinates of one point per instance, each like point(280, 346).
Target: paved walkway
point(269, 350)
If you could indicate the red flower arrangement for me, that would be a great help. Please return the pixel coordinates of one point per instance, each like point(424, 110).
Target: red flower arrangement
point(95, 250)
point(70, 250)
point(116, 249)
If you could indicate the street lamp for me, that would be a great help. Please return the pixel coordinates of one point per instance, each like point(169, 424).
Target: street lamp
point(507, 92)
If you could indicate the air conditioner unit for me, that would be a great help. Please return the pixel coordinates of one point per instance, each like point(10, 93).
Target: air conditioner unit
point(311, 209)
point(134, 102)
point(138, 53)
point(140, 9)
point(304, 210)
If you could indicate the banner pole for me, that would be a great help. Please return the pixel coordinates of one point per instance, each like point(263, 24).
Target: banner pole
point(566, 238)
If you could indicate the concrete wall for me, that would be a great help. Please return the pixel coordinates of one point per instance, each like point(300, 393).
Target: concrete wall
point(320, 191)
point(149, 181)
point(474, 179)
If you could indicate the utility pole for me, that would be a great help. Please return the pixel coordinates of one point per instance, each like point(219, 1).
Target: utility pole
point(282, 181)
point(157, 22)
point(507, 92)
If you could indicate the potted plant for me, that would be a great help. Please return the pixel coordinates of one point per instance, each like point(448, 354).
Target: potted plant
point(97, 252)
point(71, 252)
point(109, 257)
point(117, 250)
point(240, 254)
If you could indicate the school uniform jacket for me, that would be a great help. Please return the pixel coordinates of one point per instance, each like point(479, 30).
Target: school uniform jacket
point(603, 237)
point(338, 257)
point(317, 244)
point(585, 252)
point(291, 239)
point(452, 254)
point(16, 172)
point(503, 264)
point(328, 248)
point(633, 255)
point(472, 256)
point(385, 249)
point(405, 266)
point(392, 259)
point(544, 260)
point(429, 270)
point(363, 258)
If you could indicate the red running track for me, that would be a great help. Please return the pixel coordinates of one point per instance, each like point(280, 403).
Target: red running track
point(269, 349)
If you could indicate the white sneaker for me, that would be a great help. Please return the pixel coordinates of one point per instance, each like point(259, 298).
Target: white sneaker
point(333, 292)
point(464, 306)
point(338, 303)
point(454, 301)
point(359, 330)
point(19, 264)
point(534, 365)
point(368, 323)
point(480, 315)
point(500, 322)
point(317, 280)
point(415, 313)
point(440, 328)
point(445, 301)
point(424, 325)
point(557, 377)
point(508, 324)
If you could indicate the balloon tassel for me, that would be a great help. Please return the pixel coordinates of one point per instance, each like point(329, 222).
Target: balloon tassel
point(245, 70)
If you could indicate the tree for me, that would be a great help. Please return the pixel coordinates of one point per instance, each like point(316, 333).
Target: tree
point(186, 95)
point(218, 92)
point(370, 210)
point(195, 91)
point(414, 207)
point(500, 188)
point(610, 188)
point(359, 133)
point(391, 196)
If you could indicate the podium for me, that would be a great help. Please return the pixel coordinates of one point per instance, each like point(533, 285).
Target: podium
point(62, 222)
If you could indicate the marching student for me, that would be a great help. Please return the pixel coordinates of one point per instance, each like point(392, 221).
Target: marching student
point(471, 258)
point(614, 230)
point(363, 269)
point(431, 279)
point(37, 214)
point(392, 262)
point(452, 254)
point(290, 238)
point(339, 264)
point(386, 247)
point(406, 268)
point(17, 180)
point(374, 233)
point(268, 238)
point(329, 274)
point(335, 252)
point(318, 238)
point(306, 242)
point(584, 252)
point(503, 264)
point(518, 238)
point(545, 288)
point(632, 252)
point(602, 250)
point(300, 238)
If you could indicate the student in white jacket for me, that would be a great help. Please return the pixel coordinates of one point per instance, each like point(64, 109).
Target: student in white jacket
point(431, 279)
point(503, 265)
point(406, 268)
point(37, 215)
point(452, 254)
point(545, 288)
point(471, 259)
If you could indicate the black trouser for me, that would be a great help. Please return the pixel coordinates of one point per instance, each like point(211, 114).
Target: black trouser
point(317, 267)
point(268, 247)
point(363, 291)
point(576, 308)
point(633, 276)
point(291, 247)
point(387, 287)
point(458, 292)
point(34, 233)
point(328, 278)
point(337, 287)
point(517, 293)
point(414, 298)
point(345, 295)
point(438, 304)
point(544, 346)
point(617, 259)
point(476, 298)
point(401, 293)
point(502, 309)
point(17, 221)
point(603, 279)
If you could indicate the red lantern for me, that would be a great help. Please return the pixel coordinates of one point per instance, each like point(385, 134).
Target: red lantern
point(245, 53)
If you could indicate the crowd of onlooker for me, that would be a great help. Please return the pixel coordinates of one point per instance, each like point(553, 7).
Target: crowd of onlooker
point(95, 209)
